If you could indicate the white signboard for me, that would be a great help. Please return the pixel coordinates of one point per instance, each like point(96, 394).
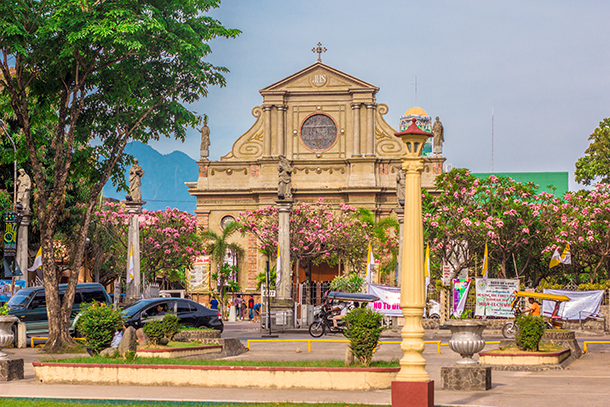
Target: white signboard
point(446, 274)
point(389, 300)
point(198, 277)
point(494, 295)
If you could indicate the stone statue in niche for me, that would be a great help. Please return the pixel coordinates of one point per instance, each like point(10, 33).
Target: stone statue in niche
point(135, 181)
point(400, 187)
point(439, 137)
point(24, 189)
point(284, 187)
point(204, 150)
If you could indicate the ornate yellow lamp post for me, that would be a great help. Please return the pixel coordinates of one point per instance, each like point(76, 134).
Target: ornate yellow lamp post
point(413, 386)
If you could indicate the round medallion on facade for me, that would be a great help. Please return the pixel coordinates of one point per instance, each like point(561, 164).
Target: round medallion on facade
point(226, 220)
point(319, 132)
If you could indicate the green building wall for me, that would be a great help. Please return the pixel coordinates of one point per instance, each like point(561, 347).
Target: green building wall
point(545, 180)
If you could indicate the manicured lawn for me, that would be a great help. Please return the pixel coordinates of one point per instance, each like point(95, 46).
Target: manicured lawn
point(19, 402)
point(216, 362)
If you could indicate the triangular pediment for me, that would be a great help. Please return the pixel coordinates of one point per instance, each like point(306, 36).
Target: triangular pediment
point(319, 76)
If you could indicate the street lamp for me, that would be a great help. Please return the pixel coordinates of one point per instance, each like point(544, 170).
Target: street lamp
point(3, 125)
point(413, 386)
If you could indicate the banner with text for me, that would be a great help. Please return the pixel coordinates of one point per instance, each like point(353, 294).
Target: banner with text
point(389, 300)
point(460, 294)
point(198, 277)
point(494, 296)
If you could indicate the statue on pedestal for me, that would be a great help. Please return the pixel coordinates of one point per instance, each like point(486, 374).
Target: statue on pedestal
point(439, 137)
point(284, 187)
point(135, 181)
point(204, 151)
point(24, 188)
point(400, 187)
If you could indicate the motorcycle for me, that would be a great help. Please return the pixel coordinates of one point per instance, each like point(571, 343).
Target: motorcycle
point(323, 322)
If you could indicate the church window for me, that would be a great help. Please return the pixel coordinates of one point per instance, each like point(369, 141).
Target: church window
point(319, 132)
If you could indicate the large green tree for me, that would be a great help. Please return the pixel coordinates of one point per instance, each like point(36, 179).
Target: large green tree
point(595, 165)
point(81, 79)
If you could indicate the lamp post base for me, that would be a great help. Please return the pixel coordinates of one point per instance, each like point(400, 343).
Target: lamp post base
point(413, 394)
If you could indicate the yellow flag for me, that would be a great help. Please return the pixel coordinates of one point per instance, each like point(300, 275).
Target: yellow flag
point(278, 268)
point(370, 265)
point(131, 266)
point(37, 261)
point(485, 270)
point(427, 270)
point(565, 258)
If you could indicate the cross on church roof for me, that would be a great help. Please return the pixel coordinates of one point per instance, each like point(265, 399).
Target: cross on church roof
point(416, 83)
point(319, 50)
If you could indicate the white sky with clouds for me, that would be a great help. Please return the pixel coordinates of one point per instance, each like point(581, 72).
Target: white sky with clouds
point(543, 66)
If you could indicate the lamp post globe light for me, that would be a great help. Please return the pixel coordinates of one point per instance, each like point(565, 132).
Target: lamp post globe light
point(413, 386)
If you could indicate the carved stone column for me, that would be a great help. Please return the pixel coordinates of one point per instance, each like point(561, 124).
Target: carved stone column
point(412, 386)
point(281, 136)
point(267, 131)
point(22, 247)
point(283, 307)
point(356, 115)
point(370, 137)
point(284, 206)
point(134, 287)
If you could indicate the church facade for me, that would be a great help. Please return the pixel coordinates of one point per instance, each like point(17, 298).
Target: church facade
point(330, 126)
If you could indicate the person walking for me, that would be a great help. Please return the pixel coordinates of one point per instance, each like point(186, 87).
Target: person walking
point(251, 307)
point(238, 301)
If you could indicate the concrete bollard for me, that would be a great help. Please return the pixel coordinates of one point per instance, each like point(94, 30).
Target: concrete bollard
point(22, 340)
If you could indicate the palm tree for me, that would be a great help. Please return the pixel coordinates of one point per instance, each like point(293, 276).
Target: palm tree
point(217, 246)
point(380, 232)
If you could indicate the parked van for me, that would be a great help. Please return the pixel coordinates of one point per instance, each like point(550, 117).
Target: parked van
point(30, 305)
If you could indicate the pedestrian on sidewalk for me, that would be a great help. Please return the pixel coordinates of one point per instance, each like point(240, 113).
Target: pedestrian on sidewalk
point(238, 301)
point(251, 307)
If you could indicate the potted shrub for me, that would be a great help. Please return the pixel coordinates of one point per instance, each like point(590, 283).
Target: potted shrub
point(6, 333)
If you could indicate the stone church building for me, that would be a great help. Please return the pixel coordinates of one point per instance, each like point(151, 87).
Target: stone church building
point(331, 127)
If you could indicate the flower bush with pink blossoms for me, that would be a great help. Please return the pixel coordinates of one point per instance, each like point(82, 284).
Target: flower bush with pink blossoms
point(168, 241)
point(521, 226)
point(319, 232)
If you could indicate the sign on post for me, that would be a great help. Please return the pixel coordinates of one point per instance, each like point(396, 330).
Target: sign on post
point(446, 274)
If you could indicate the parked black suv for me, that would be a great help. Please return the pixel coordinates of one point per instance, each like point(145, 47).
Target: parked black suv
point(30, 305)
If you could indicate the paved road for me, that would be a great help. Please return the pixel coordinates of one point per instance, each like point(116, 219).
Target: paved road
point(585, 383)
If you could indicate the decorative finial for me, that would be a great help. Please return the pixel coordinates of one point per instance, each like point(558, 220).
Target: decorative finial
point(319, 50)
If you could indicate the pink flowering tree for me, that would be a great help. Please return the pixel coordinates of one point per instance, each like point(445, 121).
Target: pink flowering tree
point(319, 233)
point(168, 242)
point(585, 226)
point(509, 216)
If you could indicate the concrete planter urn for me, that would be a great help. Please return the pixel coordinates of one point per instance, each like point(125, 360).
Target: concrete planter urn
point(466, 339)
point(6, 333)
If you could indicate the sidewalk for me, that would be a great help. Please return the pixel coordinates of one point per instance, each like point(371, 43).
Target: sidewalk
point(585, 383)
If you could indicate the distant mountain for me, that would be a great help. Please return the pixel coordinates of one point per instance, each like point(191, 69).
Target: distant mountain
point(164, 178)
